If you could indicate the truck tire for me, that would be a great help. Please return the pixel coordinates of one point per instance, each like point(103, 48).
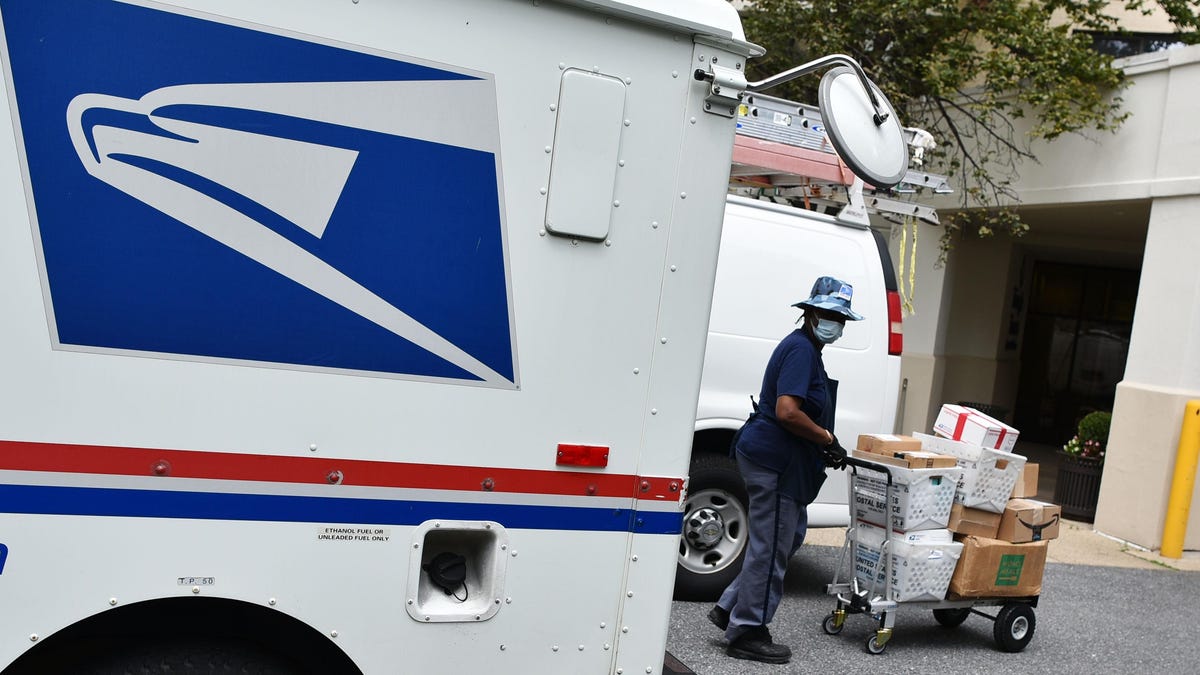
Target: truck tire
point(191, 657)
point(715, 528)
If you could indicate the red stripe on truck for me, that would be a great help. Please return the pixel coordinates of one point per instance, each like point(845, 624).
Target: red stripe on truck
point(122, 461)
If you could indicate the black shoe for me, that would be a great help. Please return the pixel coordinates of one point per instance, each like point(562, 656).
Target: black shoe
point(756, 645)
point(719, 616)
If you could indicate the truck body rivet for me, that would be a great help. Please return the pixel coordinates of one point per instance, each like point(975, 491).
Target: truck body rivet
point(33, 638)
point(627, 122)
point(673, 268)
point(603, 624)
point(508, 601)
point(663, 340)
point(636, 371)
point(313, 447)
point(554, 648)
point(654, 224)
point(683, 195)
point(553, 107)
point(624, 629)
point(607, 646)
point(629, 594)
point(195, 590)
point(548, 149)
point(635, 558)
point(514, 553)
point(333, 633)
point(654, 411)
point(112, 601)
point(410, 601)
point(502, 647)
point(580, 647)
point(334, 477)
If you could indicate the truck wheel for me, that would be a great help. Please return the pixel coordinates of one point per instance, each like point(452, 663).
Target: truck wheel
point(198, 657)
point(714, 528)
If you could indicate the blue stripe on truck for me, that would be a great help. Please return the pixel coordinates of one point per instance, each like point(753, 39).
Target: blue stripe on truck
point(85, 501)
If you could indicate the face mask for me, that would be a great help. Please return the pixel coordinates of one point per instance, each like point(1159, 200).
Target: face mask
point(827, 331)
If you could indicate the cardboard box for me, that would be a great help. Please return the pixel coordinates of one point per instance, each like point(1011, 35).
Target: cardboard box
point(1029, 520)
point(989, 568)
point(977, 522)
point(911, 459)
point(961, 423)
point(988, 475)
point(1027, 482)
point(887, 444)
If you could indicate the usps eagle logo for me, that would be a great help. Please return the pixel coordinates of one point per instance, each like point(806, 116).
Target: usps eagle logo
point(252, 197)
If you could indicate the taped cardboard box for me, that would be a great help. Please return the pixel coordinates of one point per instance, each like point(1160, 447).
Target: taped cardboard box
point(960, 423)
point(1027, 482)
point(989, 568)
point(1029, 520)
point(887, 444)
point(977, 522)
point(911, 459)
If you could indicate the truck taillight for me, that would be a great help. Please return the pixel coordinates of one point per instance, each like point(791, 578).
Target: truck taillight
point(895, 325)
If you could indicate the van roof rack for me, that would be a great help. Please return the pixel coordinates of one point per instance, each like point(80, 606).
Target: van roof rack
point(781, 146)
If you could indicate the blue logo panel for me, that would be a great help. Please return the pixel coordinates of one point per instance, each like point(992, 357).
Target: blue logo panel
point(210, 190)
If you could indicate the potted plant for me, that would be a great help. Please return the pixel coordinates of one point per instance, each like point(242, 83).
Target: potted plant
point(1080, 465)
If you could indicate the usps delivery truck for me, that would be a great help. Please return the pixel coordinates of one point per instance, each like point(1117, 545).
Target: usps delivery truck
point(354, 336)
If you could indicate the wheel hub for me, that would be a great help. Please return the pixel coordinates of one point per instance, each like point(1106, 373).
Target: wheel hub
point(704, 528)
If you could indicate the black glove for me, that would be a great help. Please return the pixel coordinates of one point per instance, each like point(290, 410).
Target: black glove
point(834, 454)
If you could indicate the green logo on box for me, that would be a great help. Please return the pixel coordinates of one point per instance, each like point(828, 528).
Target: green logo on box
point(1009, 573)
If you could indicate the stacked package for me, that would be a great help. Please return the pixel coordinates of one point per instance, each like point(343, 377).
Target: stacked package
point(923, 553)
point(1003, 532)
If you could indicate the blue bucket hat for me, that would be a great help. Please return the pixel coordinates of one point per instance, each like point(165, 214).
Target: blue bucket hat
point(833, 295)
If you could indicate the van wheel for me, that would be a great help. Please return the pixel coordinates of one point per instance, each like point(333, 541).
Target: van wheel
point(715, 529)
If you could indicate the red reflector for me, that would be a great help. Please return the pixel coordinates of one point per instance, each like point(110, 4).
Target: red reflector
point(582, 455)
point(895, 326)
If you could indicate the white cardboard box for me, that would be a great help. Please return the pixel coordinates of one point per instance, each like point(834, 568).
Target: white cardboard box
point(960, 423)
point(988, 475)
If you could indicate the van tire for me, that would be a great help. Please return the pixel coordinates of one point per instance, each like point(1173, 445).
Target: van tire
point(715, 528)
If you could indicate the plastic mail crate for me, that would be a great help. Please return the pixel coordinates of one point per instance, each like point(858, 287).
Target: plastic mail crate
point(918, 571)
point(921, 498)
point(988, 475)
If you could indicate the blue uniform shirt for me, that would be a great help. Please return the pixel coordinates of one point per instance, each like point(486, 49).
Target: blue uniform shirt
point(795, 369)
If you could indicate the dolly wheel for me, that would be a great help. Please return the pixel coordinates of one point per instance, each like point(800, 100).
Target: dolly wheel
point(951, 618)
point(1014, 627)
point(831, 624)
point(874, 646)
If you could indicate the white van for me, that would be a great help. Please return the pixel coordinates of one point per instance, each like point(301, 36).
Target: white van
point(770, 255)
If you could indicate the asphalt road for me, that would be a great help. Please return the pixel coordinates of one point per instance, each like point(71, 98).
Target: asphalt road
point(1088, 620)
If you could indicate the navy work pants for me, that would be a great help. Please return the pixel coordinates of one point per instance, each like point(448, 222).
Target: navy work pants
point(777, 525)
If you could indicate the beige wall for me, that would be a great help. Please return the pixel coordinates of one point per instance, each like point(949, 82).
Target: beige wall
point(1161, 374)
